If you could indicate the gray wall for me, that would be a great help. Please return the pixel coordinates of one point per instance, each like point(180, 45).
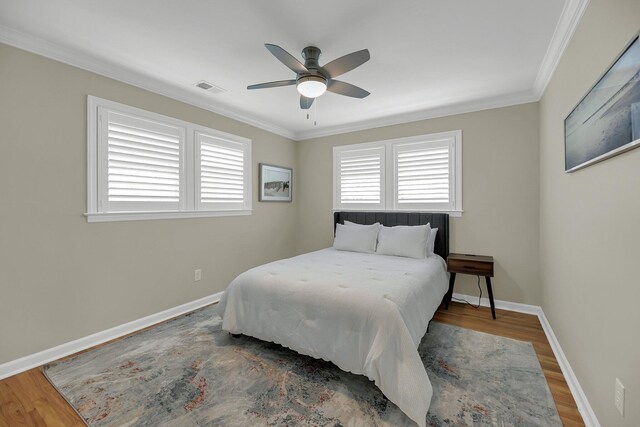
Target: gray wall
point(589, 230)
point(500, 193)
point(62, 278)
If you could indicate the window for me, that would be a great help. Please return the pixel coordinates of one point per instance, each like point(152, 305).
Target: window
point(424, 175)
point(361, 177)
point(142, 165)
point(222, 181)
point(407, 174)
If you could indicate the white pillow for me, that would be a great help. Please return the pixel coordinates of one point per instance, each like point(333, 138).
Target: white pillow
point(362, 238)
point(355, 224)
point(350, 224)
point(431, 241)
point(404, 240)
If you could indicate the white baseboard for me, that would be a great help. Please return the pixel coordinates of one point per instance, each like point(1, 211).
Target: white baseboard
point(584, 407)
point(502, 305)
point(588, 416)
point(37, 359)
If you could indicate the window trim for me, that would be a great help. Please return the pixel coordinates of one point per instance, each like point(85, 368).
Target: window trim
point(388, 178)
point(188, 204)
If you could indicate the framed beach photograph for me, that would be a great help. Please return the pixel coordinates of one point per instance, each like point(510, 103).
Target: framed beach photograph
point(275, 183)
point(606, 122)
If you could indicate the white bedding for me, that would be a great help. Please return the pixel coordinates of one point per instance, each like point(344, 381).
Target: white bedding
point(366, 313)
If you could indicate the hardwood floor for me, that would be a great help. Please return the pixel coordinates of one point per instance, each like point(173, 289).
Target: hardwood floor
point(27, 399)
point(523, 327)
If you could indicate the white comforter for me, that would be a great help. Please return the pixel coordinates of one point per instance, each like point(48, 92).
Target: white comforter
point(366, 313)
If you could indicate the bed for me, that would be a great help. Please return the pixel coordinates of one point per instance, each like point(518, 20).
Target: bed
point(366, 313)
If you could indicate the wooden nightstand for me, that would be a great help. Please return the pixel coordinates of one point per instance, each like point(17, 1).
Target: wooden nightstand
point(477, 265)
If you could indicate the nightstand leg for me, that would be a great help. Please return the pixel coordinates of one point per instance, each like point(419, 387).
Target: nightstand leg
point(452, 279)
point(493, 307)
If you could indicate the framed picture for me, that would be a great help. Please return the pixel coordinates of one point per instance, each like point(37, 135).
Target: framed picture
point(606, 122)
point(275, 183)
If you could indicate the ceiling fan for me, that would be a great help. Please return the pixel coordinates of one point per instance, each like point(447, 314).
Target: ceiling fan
point(312, 80)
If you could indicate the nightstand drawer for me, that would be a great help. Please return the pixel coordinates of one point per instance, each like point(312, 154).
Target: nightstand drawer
point(470, 266)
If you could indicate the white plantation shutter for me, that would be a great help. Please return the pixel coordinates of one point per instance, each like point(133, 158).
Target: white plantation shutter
point(423, 175)
point(222, 173)
point(359, 181)
point(141, 164)
point(418, 173)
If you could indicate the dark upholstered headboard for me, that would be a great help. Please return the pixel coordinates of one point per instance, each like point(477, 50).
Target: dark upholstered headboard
point(437, 220)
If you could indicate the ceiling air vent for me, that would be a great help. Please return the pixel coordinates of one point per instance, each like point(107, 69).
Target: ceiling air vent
point(209, 87)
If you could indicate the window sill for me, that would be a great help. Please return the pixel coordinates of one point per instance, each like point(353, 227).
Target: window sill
point(138, 216)
point(453, 214)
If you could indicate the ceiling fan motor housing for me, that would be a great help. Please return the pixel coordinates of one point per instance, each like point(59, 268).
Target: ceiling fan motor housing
point(311, 54)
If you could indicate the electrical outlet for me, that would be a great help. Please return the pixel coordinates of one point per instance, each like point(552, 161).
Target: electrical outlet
point(619, 397)
point(197, 276)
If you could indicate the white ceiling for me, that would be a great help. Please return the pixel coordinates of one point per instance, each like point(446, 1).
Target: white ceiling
point(428, 58)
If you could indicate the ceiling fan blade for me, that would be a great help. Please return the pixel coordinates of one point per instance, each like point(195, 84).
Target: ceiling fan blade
point(346, 63)
point(272, 84)
point(305, 103)
point(286, 58)
point(346, 89)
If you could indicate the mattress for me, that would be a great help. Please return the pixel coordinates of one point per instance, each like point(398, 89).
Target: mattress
point(366, 313)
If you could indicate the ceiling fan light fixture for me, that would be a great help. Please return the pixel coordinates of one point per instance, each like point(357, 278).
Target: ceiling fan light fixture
point(311, 86)
point(312, 80)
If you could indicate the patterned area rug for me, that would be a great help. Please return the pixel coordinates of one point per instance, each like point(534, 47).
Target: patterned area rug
point(188, 372)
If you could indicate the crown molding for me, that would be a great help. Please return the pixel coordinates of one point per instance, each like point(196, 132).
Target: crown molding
point(414, 116)
point(567, 23)
point(566, 26)
point(90, 63)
